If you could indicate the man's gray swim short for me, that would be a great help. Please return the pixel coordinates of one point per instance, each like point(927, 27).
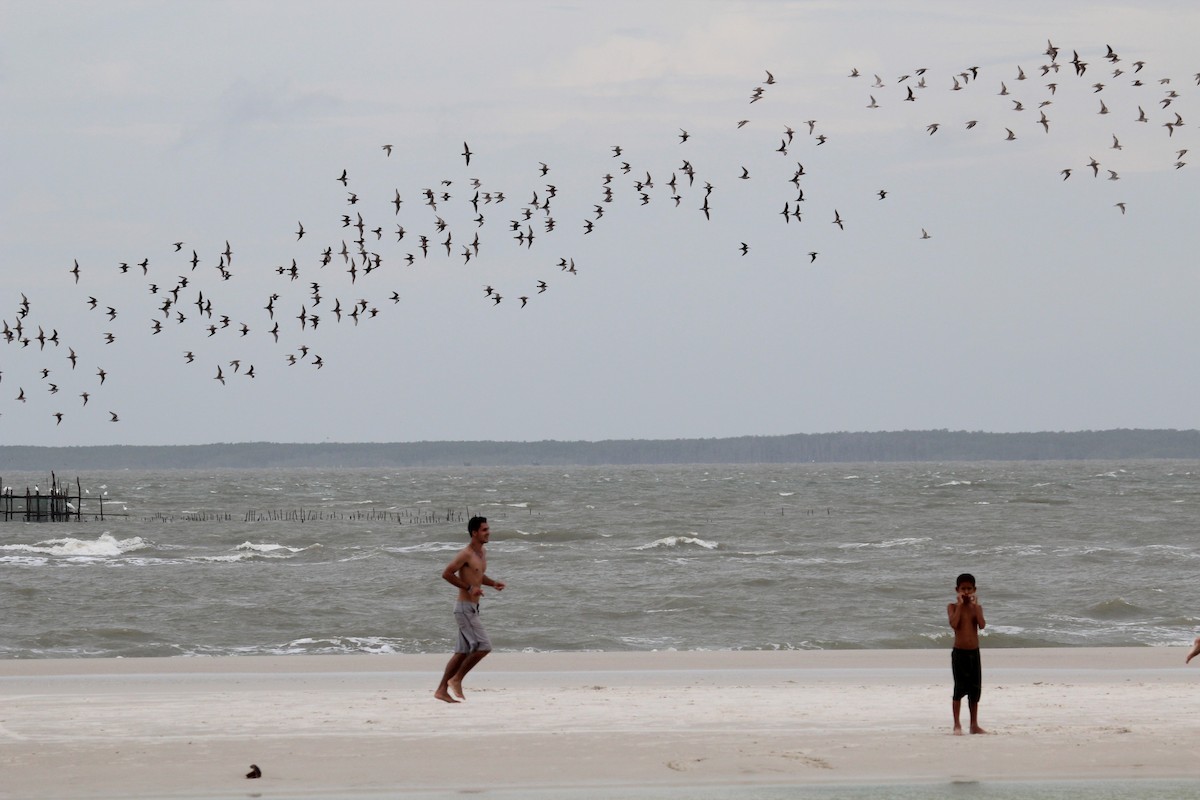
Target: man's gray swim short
point(472, 638)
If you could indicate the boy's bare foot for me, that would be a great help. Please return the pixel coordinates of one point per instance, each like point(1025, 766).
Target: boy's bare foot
point(456, 687)
point(442, 695)
point(977, 729)
point(1195, 651)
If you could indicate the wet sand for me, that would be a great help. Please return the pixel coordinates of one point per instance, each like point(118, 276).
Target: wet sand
point(338, 725)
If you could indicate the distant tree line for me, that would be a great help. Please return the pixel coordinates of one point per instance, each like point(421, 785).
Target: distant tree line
point(929, 445)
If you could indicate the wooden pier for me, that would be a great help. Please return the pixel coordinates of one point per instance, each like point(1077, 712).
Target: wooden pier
point(58, 505)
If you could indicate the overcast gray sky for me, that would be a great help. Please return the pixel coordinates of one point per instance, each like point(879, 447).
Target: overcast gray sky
point(1035, 303)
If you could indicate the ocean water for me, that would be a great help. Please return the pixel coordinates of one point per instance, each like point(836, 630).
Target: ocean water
point(287, 561)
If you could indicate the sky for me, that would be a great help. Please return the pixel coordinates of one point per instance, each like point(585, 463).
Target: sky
point(984, 290)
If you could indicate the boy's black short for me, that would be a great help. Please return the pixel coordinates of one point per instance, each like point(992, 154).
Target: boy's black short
point(968, 674)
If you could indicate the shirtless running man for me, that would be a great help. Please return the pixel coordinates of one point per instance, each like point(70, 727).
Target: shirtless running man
point(468, 571)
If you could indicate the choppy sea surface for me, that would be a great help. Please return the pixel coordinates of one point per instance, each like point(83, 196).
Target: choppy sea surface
point(282, 561)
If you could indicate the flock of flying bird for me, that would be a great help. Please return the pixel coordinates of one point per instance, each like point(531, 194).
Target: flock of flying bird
point(193, 298)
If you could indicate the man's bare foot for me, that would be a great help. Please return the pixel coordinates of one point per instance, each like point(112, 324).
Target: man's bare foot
point(1195, 652)
point(977, 729)
point(442, 695)
point(958, 730)
point(456, 687)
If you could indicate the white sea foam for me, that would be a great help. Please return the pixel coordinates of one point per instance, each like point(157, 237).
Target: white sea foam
point(268, 548)
point(904, 541)
point(908, 540)
point(349, 644)
point(676, 541)
point(796, 561)
point(426, 547)
point(247, 551)
point(104, 546)
point(135, 561)
point(955, 483)
point(1008, 630)
point(25, 561)
point(786, 494)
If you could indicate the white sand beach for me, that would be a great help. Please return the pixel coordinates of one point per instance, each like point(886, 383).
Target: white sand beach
point(336, 725)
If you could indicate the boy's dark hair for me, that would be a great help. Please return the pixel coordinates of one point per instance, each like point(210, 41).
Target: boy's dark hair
point(966, 577)
point(474, 524)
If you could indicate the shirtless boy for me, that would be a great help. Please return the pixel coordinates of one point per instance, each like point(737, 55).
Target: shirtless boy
point(468, 571)
point(966, 618)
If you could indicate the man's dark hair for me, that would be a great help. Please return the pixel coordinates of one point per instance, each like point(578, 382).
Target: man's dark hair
point(474, 524)
point(966, 577)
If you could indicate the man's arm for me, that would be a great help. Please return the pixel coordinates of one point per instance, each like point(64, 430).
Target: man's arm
point(450, 573)
point(497, 585)
point(954, 614)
